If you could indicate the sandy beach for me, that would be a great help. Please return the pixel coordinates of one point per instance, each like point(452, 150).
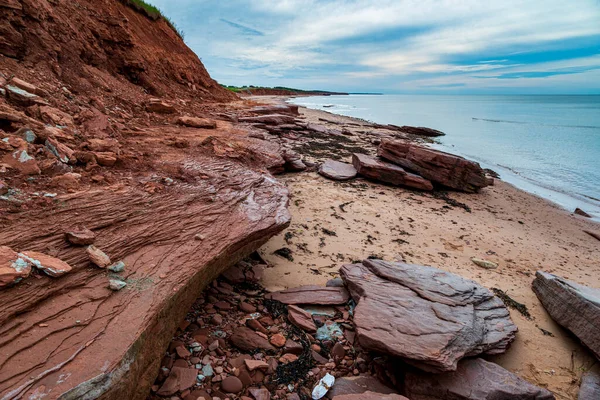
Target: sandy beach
point(339, 222)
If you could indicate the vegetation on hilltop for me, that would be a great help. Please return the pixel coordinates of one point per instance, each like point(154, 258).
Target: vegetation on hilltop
point(251, 88)
point(153, 13)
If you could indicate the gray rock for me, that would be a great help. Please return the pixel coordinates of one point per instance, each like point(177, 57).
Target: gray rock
point(475, 379)
point(116, 284)
point(426, 316)
point(338, 171)
point(590, 385)
point(574, 306)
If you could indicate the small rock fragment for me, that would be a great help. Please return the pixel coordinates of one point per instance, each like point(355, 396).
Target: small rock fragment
point(116, 284)
point(98, 257)
point(13, 267)
point(51, 266)
point(117, 267)
point(484, 263)
point(81, 236)
point(579, 211)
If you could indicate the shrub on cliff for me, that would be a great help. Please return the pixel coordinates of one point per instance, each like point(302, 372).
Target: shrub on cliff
point(153, 13)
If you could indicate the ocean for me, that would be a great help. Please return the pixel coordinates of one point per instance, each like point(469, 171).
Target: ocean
point(546, 145)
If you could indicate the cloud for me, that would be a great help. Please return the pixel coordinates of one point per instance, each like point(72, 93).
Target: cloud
point(389, 44)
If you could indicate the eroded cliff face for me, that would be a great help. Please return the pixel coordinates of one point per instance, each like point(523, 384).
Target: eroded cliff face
point(77, 42)
point(109, 122)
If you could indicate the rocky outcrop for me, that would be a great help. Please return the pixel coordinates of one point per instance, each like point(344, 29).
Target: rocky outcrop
point(420, 131)
point(356, 385)
point(443, 168)
point(474, 379)
point(311, 295)
point(338, 171)
point(590, 385)
point(426, 316)
point(379, 170)
point(370, 396)
point(109, 344)
point(196, 122)
point(574, 306)
point(275, 109)
point(270, 119)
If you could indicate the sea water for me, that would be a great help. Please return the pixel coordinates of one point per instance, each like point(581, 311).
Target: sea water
point(546, 145)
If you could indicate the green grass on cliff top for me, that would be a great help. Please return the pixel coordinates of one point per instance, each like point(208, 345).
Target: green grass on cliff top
point(153, 13)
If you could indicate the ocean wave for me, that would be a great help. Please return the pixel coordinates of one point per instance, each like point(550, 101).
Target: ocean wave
point(535, 123)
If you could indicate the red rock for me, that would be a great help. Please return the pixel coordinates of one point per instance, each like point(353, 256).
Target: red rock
point(357, 385)
point(216, 319)
point(474, 379)
point(257, 326)
point(288, 358)
point(98, 257)
point(222, 305)
point(247, 308)
point(21, 84)
point(301, 318)
point(61, 151)
point(3, 187)
point(421, 131)
point(446, 169)
point(338, 352)
point(13, 267)
point(232, 384)
point(278, 340)
point(426, 316)
point(379, 170)
point(21, 161)
point(51, 266)
point(293, 347)
point(319, 359)
point(20, 97)
point(105, 158)
point(68, 181)
point(194, 122)
point(270, 119)
point(198, 395)
point(293, 396)
point(248, 340)
point(370, 396)
point(574, 306)
point(160, 107)
point(81, 236)
point(256, 364)
point(260, 394)
point(311, 295)
point(338, 171)
point(276, 109)
point(234, 275)
point(182, 352)
point(179, 379)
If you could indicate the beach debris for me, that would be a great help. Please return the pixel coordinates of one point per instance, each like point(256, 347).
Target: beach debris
point(571, 305)
point(323, 387)
point(484, 263)
point(512, 303)
point(284, 252)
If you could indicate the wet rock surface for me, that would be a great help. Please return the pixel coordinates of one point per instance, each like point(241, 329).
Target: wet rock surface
point(576, 307)
point(443, 168)
point(474, 379)
point(426, 316)
point(379, 170)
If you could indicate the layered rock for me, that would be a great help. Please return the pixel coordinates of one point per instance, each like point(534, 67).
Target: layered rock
point(574, 306)
point(443, 168)
point(420, 131)
point(369, 396)
point(338, 171)
point(475, 379)
point(311, 295)
point(109, 344)
point(276, 109)
point(270, 119)
point(356, 385)
point(379, 170)
point(590, 385)
point(428, 317)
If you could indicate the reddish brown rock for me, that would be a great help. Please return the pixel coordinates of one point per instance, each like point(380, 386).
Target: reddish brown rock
point(421, 131)
point(428, 317)
point(574, 306)
point(13, 267)
point(369, 396)
point(22, 97)
point(160, 107)
point(475, 379)
point(270, 119)
point(311, 295)
point(338, 171)
point(256, 364)
point(338, 352)
point(301, 318)
point(21, 84)
point(61, 151)
point(81, 236)
point(179, 379)
point(276, 109)
point(51, 266)
point(293, 347)
point(579, 211)
point(3, 187)
point(98, 257)
point(257, 326)
point(232, 384)
point(379, 170)
point(68, 181)
point(195, 122)
point(278, 340)
point(357, 385)
point(21, 161)
point(105, 158)
point(443, 168)
point(260, 394)
point(247, 340)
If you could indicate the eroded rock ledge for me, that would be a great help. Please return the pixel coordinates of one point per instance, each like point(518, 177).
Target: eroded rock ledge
point(71, 337)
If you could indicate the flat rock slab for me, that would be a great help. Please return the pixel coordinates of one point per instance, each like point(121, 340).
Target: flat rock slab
point(369, 396)
point(94, 342)
point(358, 384)
point(338, 171)
point(475, 379)
point(379, 170)
point(270, 119)
point(443, 168)
point(311, 295)
point(421, 131)
point(590, 385)
point(574, 306)
point(276, 109)
point(247, 340)
point(428, 317)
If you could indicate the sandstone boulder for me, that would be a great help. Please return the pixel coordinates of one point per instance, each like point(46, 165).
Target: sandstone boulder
point(379, 170)
point(356, 385)
point(195, 122)
point(338, 171)
point(311, 295)
point(160, 107)
point(574, 306)
point(179, 379)
point(21, 84)
point(420, 131)
point(276, 109)
point(301, 318)
point(51, 266)
point(81, 236)
point(270, 119)
point(426, 316)
point(446, 169)
point(13, 267)
point(475, 379)
point(22, 97)
point(590, 385)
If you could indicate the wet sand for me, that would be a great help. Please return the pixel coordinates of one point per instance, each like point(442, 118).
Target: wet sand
point(339, 222)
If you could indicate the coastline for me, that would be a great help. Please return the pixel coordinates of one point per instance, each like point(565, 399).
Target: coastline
point(519, 231)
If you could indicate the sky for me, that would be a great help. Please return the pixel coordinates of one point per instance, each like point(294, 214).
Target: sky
point(400, 46)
